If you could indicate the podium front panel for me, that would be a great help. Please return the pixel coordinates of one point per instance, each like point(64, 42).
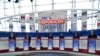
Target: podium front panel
point(98, 45)
point(91, 45)
point(12, 45)
point(33, 42)
point(26, 44)
point(62, 43)
point(56, 42)
point(44, 41)
point(38, 44)
point(19, 42)
point(68, 42)
point(4, 43)
point(50, 43)
point(83, 44)
point(75, 44)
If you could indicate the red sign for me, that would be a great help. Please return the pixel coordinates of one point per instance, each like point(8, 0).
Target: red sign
point(98, 24)
point(51, 21)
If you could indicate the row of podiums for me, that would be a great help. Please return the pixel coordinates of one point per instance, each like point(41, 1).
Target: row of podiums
point(82, 44)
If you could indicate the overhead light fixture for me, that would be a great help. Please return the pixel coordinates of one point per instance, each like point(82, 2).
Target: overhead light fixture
point(9, 0)
point(16, 1)
point(31, 0)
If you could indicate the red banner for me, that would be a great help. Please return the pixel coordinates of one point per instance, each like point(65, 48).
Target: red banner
point(51, 21)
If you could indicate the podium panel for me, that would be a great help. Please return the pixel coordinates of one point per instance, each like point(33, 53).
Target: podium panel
point(76, 44)
point(91, 45)
point(68, 43)
point(26, 44)
point(38, 44)
point(12, 45)
point(44, 41)
point(56, 43)
point(33, 42)
point(62, 44)
point(83, 44)
point(19, 42)
point(50, 43)
point(98, 45)
point(4, 43)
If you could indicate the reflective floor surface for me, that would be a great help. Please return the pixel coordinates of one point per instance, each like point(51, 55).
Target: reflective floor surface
point(45, 53)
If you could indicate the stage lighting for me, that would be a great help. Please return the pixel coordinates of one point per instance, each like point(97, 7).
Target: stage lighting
point(9, 0)
point(31, 0)
point(16, 1)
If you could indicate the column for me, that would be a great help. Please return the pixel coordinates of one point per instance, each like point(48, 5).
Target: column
point(73, 20)
point(11, 24)
point(84, 20)
point(31, 22)
point(22, 20)
point(98, 20)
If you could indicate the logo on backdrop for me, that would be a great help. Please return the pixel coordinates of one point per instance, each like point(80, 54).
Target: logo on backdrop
point(51, 23)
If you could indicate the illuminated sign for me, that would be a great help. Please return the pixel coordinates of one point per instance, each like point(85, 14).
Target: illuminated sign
point(51, 21)
point(52, 26)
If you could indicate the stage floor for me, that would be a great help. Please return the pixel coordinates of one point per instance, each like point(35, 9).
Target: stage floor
point(45, 53)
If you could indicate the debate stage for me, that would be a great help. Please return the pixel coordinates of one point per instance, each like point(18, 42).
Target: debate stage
point(45, 53)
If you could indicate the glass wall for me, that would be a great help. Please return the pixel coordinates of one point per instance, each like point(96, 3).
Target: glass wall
point(12, 8)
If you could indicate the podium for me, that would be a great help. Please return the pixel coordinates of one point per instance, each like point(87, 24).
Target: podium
point(38, 44)
point(12, 45)
point(33, 43)
point(26, 44)
point(55, 43)
point(19, 43)
point(68, 43)
point(98, 45)
point(44, 43)
point(61, 43)
point(75, 44)
point(50, 43)
point(91, 45)
point(83, 44)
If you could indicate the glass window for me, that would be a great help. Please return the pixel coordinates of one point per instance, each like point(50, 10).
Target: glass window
point(16, 22)
point(1, 28)
point(68, 25)
point(79, 13)
point(79, 24)
point(35, 15)
point(7, 26)
point(82, 0)
point(16, 5)
point(95, 4)
point(26, 10)
point(84, 5)
point(24, 3)
point(34, 2)
point(68, 14)
point(62, 1)
point(44, 8)
point(17, 11)
point(63, 6)
point(33, 8)
point(3, 24)
point(36, 26)
point(1, 13)
point(1, 5)
point(9, 12)
point(94, 22)
point(16, 28)
point(89, 23)
point(27, 27)
point(39, 2)
point(99, 5)
point(9, 5)
point(1, 1)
